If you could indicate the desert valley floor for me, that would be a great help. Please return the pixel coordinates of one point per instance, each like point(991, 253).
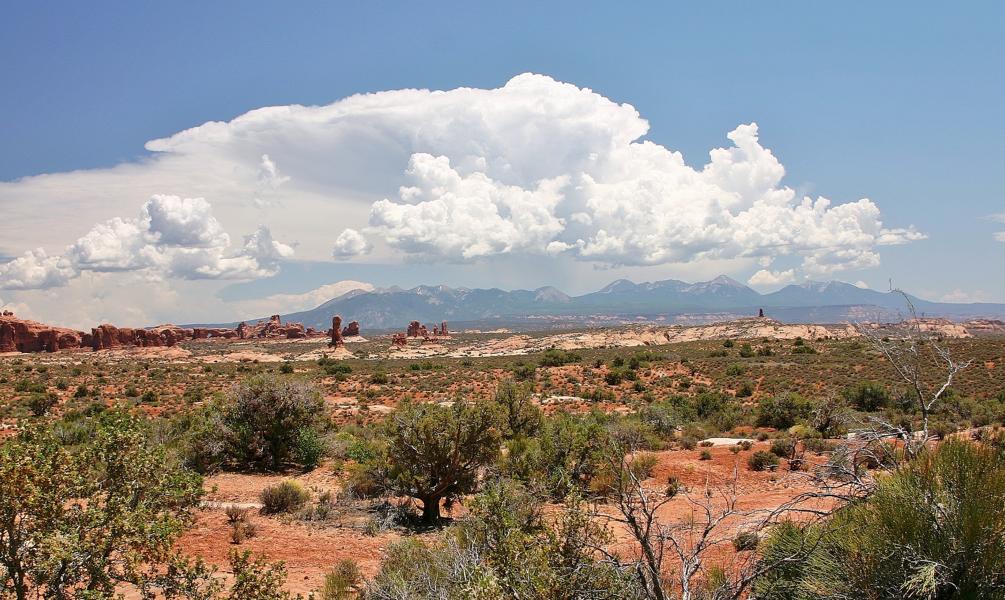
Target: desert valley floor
point(616, 370)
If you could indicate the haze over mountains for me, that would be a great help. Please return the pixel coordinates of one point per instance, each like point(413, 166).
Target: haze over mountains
point(624, 301)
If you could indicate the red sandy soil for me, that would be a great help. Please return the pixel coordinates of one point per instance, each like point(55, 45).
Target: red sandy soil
point(309, 550)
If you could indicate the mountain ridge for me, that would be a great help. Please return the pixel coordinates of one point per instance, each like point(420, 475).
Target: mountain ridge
point(622, 301)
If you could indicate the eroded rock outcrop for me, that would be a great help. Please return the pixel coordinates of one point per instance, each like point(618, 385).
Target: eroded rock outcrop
point(21, 335)
point(352, 329)
point(336, 332)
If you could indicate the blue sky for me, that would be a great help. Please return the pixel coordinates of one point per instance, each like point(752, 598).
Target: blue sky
point(896, 102)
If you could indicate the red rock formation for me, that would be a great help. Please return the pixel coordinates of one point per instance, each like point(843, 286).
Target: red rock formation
point(399, 339)
point(414, 329)
point(351, 329)
point(337, 332)
point(443, 329)
point(242, 330)
point(19, 335)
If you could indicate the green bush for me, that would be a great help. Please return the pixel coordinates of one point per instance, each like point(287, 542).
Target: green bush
point(933, 529)
point(745, 541)
point(338, 368)
point(762, 460)
point(783, 448)
point(285, 497)
point(265, 424)
point(524, 372)
point(435, 452)
point(557, 358)
point(309, 448)
point(735, 370)
point(782, 412)
point(40, 403)
point(341, 580)
point(868, 396)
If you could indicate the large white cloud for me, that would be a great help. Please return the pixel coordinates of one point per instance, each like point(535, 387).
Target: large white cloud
point(766, 278)
point(172, 237)
point(637, 204)
point(534, 168)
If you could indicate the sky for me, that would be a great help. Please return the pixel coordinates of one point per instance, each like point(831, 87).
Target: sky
point(187, 162)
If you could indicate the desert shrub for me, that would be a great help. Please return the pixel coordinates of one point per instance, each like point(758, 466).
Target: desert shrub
point(149, 397)
point(783, 447)
point(745, 390)
point(562, 458)
point(745, 541)
point(236, 514)
point(933, 529)
point(309, 448)
point(81, 391)
point(868, 396)
point(727, 344)
point(762, 460)
point(434, 452)
point(272, 423)
point(337, 368)
point(782, 412)
point(506, 549)
point(705, 455)
point(286, 368)
point(341, 580)
point(240, 531)
point(746, 351)
point(818, 445)
point(735, 370)
point(556, 358)
point(632, 432)
point(524, 372)
point(41, 402)
point(804, 350)
point(663, 417)
point(520, 414)
point(642, 464)
point(765, 351)
point(285, 497)
point(131, 391)
point(379, 378)
point(613, 377)
point(70, 513)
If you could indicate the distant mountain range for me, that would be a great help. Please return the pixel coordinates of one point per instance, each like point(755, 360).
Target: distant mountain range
point(623, 301)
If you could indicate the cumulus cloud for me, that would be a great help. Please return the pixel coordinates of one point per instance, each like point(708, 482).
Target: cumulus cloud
point(533, 168)
point(767, 278)
point(35, 269)
point(450, 216)
point(350, 243)
point(172, 237)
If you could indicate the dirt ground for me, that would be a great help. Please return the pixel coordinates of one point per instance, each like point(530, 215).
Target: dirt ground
point(310, 549)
